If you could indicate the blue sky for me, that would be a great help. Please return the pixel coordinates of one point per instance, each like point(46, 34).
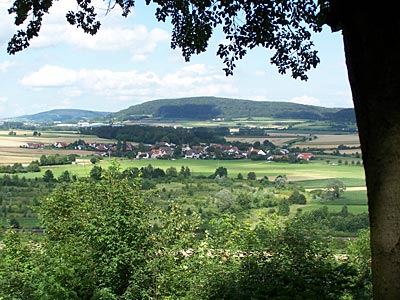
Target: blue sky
point(130, 61)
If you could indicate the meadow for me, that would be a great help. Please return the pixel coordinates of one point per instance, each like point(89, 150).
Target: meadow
point(306, 174)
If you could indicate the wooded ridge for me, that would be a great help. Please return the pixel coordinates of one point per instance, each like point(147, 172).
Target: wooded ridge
point(200, 108)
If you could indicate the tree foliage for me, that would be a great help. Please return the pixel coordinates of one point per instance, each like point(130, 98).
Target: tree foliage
point(334, 188)
point(283, 26)
point(152, 134)
point(105, 240)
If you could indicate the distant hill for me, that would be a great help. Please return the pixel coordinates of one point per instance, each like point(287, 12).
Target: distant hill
point(214, 107)
point(64, 115)
point(344, 115)
point(200, 108)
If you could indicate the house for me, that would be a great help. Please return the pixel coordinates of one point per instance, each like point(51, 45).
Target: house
point(192, 154)
point(185, 147)
point(284, 151)
point(167, 151)
point(305, 156)
point(165, 144)
point(129, 147)
point(156, 153)
point(143, 155)
point(61, 144)
point(277, 157)
point(257, 151)
point(101, 147)
point(33, 145)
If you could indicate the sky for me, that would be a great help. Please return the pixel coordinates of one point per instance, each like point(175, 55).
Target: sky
point(129, 61)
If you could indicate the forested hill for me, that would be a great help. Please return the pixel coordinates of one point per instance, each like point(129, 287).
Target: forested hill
point(214, 107)
point(201, 108)
point(64, 115)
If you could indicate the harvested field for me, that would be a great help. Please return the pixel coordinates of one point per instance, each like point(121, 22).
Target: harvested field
point(23, 155)
point(278, 139)
point(331, 141)
point(11, 147)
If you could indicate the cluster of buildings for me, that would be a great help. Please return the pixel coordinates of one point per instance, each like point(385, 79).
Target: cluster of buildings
point(164, 150)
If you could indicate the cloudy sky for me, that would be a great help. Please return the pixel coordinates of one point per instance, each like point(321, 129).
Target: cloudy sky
point(130, 61)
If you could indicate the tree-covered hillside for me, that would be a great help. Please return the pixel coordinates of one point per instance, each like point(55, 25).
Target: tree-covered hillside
point(213, 107)
point(200, 108)
point(64, 115)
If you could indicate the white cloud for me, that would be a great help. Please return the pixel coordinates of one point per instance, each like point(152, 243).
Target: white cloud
point(116, 33)
point(5, 65)
point(50, 76)
point(3, 102)
point(6, 24)
point(138, 39)
point(305, 99)
point(260, 73)
point(191, 80)
point(139, 57)
point(71, 92)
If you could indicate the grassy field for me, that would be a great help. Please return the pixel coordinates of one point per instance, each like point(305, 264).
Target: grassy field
point(356, 202)
point(321, 183)
point(237, 122)
point(308, 174)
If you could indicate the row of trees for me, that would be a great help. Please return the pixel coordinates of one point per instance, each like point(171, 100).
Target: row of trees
point(153, 134)
point(19, 168)
point(148, 172)
point(57, 159)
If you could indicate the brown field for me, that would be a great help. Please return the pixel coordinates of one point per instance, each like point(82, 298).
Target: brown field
point(15, 154)
point(278, 139)
point(11, 151)
point(331, 141)
point(346, 151)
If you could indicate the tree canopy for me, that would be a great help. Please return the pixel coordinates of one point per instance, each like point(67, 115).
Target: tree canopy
point(283, 26)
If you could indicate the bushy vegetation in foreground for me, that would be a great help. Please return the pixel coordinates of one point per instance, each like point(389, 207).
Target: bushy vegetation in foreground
point(106, 239)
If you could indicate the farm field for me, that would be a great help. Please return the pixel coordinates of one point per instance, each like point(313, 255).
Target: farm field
point(276, 139)
point(11, 151)
point(232, 123)
point(331, 141)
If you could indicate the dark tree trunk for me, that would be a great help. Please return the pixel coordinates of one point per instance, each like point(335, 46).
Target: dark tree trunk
point(372, 47)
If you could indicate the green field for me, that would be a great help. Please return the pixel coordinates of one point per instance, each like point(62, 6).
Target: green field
point(356, 202)
point(313, 171)
point(310, 175)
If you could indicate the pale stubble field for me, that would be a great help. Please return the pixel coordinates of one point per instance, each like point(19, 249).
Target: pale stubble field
point(12, 146)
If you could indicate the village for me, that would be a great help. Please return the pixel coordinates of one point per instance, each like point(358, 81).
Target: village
point(165, 150)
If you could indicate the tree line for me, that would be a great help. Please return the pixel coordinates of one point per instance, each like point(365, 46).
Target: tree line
point(154, 134)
